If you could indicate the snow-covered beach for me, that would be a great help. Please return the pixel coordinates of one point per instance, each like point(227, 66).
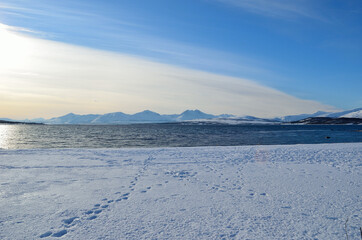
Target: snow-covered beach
point(246, 192)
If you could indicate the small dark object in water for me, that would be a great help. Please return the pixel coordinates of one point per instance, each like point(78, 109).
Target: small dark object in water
point(328, 137)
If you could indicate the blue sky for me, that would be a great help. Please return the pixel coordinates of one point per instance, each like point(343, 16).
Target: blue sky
point(308, 49)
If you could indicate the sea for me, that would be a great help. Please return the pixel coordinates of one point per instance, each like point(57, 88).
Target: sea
point(171, 135)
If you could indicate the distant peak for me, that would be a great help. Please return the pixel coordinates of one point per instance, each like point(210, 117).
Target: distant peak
point(147, 111)
point(192, 111)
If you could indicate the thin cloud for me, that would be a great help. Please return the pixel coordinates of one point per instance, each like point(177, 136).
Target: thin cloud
point(56, 11)
point(128, 37)
point(285, 9)
point(17, 29)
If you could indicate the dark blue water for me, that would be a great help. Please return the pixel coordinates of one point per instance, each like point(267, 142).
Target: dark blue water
point(171, 135)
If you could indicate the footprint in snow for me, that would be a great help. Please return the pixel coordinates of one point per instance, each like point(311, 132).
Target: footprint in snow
point(46, 234)
point(97, 211)
point(69, 221)
point(92, 217)
point(60, 233)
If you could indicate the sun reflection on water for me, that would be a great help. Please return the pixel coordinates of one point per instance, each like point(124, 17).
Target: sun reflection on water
point(6, 133)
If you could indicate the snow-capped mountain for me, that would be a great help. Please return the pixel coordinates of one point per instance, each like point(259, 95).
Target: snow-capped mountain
point(194, 114)
point(149, 116)
point(146, 116)
point(72, 118)
point(354, 113)
point(292, 118)
point(111, 118)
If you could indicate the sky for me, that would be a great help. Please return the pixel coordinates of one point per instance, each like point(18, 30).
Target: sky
point(244, 57)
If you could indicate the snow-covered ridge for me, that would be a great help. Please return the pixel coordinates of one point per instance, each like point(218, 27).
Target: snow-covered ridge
point(354, 113)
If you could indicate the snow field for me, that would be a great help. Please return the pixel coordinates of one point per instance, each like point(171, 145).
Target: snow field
point(246, 192)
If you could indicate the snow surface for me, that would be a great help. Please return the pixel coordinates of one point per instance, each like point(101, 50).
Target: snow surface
point(356, 114)
point(246, 192)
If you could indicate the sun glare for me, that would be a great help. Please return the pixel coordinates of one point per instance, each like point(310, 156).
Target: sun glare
point(6, 132)
point(15, 49)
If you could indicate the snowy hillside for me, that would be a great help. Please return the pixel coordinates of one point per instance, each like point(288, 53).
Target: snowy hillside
point(292, 118)
point(248, 192)
point(355, 113)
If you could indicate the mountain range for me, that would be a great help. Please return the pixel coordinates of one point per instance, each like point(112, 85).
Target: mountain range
point(146, 116)
point(188, 115)
point(354, 113)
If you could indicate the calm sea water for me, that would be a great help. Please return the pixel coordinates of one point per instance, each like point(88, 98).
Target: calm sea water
point(170, 135)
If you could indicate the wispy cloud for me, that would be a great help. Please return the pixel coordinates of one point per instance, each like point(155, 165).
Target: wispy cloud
point(60, 19)
point(197, 57)
point(82, 12)
point(129, 37)
point(286, 9)
point(56, 78)
point(16, 29)
point(42, 9)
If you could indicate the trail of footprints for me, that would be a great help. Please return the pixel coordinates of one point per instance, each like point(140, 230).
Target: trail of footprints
point(88, 215)
point(97, 209)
